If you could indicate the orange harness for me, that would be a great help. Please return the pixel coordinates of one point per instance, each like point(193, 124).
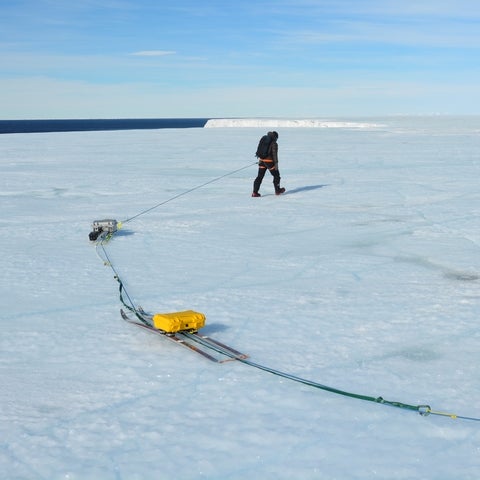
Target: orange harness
point(266, 160)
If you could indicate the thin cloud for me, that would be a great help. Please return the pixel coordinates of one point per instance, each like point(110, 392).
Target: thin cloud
point(153, 53)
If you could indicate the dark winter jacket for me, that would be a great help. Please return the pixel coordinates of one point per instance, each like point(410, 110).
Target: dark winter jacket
point(273, 149)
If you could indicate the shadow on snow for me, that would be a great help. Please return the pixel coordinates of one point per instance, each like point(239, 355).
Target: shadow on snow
point(304, 189)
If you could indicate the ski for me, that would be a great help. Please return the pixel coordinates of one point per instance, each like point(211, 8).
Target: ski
point(215, 345)
point(171, 337)
point(207, 341)
point(181, 338)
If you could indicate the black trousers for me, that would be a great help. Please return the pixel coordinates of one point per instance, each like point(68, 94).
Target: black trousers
point(262, 168)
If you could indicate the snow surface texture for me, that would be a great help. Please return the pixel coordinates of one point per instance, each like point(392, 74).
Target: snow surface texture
point(364, 277)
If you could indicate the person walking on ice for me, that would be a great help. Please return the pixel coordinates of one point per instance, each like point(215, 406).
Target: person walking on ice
point(267, 153)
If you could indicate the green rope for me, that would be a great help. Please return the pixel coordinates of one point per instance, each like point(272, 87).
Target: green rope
point(422, 409)
point(131, 307)
point(121, 288)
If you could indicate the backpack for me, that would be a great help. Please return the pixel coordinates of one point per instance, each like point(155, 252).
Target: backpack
point(263, 146)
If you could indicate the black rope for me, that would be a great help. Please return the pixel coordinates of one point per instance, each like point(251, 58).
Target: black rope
point(188, 191)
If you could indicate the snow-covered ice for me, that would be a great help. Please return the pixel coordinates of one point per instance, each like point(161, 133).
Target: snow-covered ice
point(365, 277)
point(285, 123)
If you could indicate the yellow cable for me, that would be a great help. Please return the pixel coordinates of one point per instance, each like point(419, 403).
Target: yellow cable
point(444, 414)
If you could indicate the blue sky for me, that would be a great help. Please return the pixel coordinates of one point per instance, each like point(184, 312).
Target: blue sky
point(209, 58)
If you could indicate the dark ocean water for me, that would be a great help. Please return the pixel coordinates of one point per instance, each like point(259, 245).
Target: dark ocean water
point(83, 125)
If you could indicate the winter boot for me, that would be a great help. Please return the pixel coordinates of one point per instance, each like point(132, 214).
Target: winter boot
point(279, 190)
point(256, 194)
